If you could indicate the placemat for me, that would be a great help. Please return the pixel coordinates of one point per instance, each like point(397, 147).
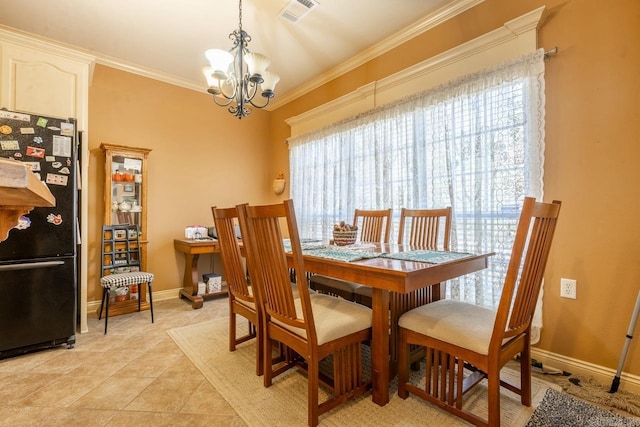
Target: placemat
point(347, 255)
point(306, 244)
point(431, 257)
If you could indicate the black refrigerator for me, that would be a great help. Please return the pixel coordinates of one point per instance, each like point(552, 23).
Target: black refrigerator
point(38, 260)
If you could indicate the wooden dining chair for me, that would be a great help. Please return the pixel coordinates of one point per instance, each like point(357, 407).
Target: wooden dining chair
point(420, 229)
point(314, 325)
point(373, 226)
point(461, 337)
point(241, 298)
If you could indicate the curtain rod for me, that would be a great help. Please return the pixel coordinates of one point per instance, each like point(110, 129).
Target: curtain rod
point(549, 53)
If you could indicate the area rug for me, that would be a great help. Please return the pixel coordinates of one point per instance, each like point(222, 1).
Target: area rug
point(588, 388)
point(561, 410)
point(285, 402)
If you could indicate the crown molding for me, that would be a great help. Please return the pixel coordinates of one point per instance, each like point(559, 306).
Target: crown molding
point(151, 73)
point(432, 20)
point(515, 37)
point(22, 38)
point(46, 45)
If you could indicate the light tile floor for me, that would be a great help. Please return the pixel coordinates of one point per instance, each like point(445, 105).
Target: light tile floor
point(133, 376)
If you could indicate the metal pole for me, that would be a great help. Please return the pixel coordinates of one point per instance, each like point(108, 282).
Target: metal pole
point(616, 380)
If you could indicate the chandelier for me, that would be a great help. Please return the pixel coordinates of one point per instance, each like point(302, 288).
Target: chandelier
point(236, 76)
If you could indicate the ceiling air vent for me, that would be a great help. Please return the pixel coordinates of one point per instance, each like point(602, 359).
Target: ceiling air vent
point(295, 10)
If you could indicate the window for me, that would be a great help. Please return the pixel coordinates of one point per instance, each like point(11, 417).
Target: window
point(475, 144)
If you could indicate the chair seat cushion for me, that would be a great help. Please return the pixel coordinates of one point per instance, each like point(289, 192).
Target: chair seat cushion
point(459, 323)
point(334, 318)
point(123, 280)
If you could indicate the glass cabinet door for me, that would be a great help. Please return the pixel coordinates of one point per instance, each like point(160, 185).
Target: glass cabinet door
point(126, 190)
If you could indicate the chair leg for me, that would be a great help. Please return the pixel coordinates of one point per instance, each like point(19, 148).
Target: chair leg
point(493, 398)
point(403, 362)
point(525, 374)
point(105, 292)
point(150, 300)
point(106, 315)
point(267, 360)
point(260, 351)
point(232, 326)
point(313, 381)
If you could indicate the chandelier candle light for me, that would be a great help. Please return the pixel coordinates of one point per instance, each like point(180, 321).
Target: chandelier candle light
point(234, 76)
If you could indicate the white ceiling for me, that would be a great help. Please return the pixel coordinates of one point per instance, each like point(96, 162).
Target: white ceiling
point(169, 37)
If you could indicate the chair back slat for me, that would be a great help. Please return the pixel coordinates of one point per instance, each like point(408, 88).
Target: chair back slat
point(428, 228)
point(235, 276)
point(374, 225)
point(266, 255)
point(524, 276)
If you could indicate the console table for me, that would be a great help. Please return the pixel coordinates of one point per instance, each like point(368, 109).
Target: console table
point(192, 250)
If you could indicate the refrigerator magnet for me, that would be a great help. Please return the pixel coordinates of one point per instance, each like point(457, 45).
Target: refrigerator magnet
point(42, 122)
point(35, 152)
point(5, 129)
point(61, 146)
point(9, 145)
point(27, 131)
point(12, 115)
point(56, 179)
point(35, 166)
point(54, 219)
point(66, 129)
point(37, 139)
point(24, 222)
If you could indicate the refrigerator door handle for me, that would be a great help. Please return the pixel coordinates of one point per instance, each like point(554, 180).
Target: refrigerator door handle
point(30, 265)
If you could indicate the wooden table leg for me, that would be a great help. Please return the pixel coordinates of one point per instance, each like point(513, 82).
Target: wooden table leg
point(380, 347)
point(190, 281)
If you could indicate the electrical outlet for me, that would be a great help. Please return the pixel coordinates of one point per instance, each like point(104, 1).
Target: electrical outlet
point(568, 288)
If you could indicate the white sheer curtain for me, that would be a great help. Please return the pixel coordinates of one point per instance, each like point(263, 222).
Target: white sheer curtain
point(475, 144)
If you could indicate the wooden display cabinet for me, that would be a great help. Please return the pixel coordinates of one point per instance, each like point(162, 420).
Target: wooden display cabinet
point(125, 202)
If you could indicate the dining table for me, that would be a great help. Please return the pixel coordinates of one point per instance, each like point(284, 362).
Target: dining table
point(388, 268)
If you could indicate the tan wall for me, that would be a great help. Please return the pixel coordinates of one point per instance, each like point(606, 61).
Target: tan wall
point(592, 158)
point(201, 156)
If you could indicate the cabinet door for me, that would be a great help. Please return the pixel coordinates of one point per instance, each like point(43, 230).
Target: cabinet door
point(126, 190)
point(45, 83)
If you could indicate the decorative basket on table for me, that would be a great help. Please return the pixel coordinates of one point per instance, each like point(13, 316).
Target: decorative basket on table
point(344, 237)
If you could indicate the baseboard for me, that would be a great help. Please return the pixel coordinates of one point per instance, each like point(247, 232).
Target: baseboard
point(94, 306)
point(628, 382)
